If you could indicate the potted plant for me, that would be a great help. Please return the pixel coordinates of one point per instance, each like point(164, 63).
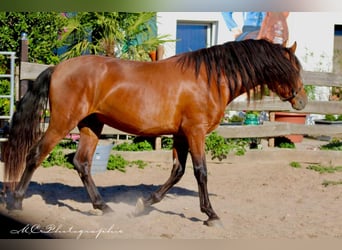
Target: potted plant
point(291, 117)
point(330, 119)
point(235, 119)
point(252, 118)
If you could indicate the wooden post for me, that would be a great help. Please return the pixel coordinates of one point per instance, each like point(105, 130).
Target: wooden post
point(23, 84)
point(160, 52)
point(158, 143)
point(271, 140)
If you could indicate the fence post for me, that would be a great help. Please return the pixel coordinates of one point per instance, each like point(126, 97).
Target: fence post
point(23, 84)
point(271, 141)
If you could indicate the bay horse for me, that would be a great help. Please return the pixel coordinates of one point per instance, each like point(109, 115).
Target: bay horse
point(185, 96)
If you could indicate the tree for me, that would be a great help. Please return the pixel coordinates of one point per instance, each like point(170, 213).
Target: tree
point(118, 34)
point(43, 29)
point(124, 35)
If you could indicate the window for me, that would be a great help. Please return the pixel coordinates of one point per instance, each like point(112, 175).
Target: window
point(336, 92)
point(195, 35)
point(338, 49)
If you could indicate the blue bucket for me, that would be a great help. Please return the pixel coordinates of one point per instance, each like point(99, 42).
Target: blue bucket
point(100, 158)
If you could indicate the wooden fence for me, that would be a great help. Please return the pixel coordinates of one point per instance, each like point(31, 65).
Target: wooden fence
point(267, 129)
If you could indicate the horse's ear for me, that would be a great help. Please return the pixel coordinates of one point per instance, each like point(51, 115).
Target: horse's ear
point(293, 47)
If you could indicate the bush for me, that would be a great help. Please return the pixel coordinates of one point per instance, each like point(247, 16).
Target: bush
point(220, 147)
point(117, 162)
point(333, 145)
point(57, 158)
point(167, 143)
point(139, 146)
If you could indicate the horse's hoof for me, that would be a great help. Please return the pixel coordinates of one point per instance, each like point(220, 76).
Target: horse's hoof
point(96, 212)
point(139, 207)
point(2, 200)
point(213, 223)
point(103, 207)
point(106, 210)
point(14, 205)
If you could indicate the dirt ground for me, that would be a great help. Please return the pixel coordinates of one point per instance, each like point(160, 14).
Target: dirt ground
point(257, 196)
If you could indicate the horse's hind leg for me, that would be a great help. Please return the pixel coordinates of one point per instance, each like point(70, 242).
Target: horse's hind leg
point(90, 130)
point(34, 158)
point(180, 153)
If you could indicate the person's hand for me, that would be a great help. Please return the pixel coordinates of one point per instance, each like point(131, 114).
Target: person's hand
point(236, 32)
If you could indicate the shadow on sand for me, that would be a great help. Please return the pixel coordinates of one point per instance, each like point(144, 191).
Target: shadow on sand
point(56, 193)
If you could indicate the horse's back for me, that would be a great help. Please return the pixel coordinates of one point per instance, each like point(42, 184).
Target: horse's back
point(137, 97)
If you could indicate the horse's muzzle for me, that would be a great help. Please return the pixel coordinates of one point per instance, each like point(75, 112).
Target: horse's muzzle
point(299, 101)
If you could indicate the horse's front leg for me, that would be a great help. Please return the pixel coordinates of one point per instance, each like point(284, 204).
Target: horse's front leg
point(197, 150)
point(179, 154)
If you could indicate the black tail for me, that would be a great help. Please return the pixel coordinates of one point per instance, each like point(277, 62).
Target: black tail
point(25, 128)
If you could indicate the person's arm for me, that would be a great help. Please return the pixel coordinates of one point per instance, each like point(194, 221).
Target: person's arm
point(231, 24)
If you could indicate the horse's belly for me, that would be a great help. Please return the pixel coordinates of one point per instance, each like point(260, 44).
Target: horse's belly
point(142, 126)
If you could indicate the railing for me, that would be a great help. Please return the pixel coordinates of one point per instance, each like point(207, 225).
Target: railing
point(267, 129)
point(10, 96)
point(272, 129)
point(10, 76)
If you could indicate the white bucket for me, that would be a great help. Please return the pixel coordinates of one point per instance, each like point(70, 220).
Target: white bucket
point(100, 158)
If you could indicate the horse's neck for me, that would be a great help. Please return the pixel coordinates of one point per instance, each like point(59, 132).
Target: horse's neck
point(240, 90)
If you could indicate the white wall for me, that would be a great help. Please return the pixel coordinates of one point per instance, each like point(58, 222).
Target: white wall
point(313, 32)
point(167, 24)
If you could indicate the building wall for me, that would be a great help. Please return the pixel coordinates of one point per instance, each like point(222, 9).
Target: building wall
point(167, 24)
point(313, 32)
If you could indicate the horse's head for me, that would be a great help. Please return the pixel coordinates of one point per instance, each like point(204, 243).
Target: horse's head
point(294, 92)
point(297, 97)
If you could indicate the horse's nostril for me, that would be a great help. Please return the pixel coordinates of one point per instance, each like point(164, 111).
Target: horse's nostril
point(301, 103)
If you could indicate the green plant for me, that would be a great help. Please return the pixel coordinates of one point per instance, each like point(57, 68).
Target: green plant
point(330, 117)
point(167, 143)
point(235, 118)
point(141, 164)
point(130, 146)
point(117, 34)
point(4, 102)
point(42, 28)
point(325, 169)
point(117, 162)
point(295, 164)
point(331, 183)
point(219, 147)
point(287, 145)
point(320, 64)
point(68, 144)
point(57, 158)
point(283, 142)
point(310, 91)
point(335, 144)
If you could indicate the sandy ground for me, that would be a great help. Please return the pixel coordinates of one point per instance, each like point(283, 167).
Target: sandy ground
point(257, 196)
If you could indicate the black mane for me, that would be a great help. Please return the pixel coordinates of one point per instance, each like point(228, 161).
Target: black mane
point(251, 62)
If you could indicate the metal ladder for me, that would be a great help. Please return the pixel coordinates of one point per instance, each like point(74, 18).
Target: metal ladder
point(11, 56)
